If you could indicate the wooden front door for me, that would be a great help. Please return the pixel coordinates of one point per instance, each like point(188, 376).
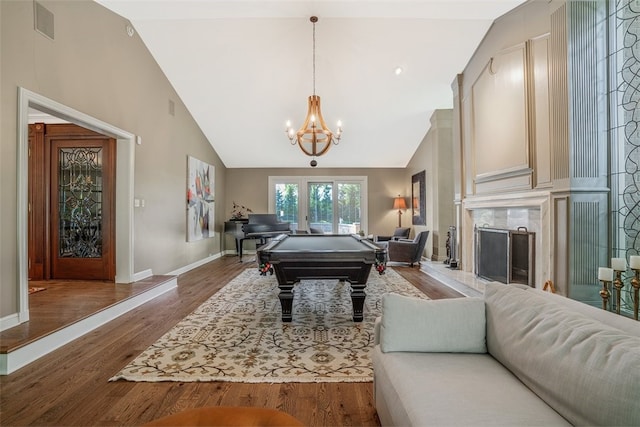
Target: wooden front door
point(79, 205)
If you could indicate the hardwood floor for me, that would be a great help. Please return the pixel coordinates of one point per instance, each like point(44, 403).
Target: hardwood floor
point(63, 302)
point(69, 387)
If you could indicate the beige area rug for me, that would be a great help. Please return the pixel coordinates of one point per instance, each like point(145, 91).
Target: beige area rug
point(238, 335)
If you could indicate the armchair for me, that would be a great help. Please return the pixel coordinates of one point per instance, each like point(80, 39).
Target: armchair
point(399, 233)
point(406, 250)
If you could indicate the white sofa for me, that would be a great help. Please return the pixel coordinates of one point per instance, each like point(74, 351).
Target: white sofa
point(518, 356)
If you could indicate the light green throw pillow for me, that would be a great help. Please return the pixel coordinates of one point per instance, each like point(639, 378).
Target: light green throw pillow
point(437, 326)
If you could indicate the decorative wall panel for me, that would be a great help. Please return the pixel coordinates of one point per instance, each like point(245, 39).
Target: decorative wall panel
point(586, 101)
point(501, 146)
point(559, 101)
point(585, 241)
point(589, 248)
point(539, 71)
point(560, 258)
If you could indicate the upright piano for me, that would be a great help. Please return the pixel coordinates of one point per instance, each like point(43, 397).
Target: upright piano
point(259, 227)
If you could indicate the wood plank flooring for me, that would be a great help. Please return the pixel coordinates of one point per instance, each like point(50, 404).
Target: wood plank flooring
point(67, 301)
point(69, 387)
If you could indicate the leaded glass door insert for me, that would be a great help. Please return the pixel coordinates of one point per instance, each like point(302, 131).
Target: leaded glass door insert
point(82, 194)
point(80, 202)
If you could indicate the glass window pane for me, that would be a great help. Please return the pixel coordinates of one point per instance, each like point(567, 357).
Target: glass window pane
point(349, 208)
point(287, 204)
point(321, 206)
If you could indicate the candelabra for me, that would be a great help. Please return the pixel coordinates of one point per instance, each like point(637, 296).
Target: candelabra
point(605, 275)
point(618, 265)
point(618, 284)
point(635, 282)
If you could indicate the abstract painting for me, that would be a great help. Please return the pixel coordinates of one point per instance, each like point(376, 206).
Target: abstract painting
point(200, 200)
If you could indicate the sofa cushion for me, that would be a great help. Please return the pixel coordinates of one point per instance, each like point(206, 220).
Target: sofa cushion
point(447, 325)
point(585, 369)
point(444, 389)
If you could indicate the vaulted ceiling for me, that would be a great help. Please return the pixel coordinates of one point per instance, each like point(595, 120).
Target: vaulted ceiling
point(244, 67)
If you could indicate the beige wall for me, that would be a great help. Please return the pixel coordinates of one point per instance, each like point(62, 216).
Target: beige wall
point(435, 157)
point(93, 66)
point(249, 187)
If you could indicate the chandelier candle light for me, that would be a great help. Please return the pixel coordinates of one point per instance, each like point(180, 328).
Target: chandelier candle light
point(314, 136)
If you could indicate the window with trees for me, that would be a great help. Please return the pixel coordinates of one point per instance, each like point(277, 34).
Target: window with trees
point(331, 204)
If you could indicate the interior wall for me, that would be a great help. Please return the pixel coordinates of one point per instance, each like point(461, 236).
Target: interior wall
point(249, 187)
point(93, 66)
point(503, 105)
point(435, 157)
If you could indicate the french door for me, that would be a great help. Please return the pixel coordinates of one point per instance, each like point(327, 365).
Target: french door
point(331, 204)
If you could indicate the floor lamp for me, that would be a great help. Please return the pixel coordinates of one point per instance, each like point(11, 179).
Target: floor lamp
point(399, 203)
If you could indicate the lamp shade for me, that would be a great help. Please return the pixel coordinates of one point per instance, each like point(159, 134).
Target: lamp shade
point(399, 203)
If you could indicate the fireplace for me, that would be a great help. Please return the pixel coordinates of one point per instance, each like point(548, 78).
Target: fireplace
point(506, 256)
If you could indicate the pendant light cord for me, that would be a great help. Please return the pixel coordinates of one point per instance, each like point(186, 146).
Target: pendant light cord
point(314, 58)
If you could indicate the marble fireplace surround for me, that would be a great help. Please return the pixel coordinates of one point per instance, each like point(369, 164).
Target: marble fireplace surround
point(509, 211)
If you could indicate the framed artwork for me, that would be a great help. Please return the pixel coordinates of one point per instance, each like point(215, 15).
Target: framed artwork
point(418, 199)
point(200, 199)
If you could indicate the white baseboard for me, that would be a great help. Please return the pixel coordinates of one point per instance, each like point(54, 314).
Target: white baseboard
point(14, 360)
point(9, 321)
point(142, 275)
point(196, 264)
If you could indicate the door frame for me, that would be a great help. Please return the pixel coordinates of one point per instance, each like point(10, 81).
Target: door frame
point(125, 162)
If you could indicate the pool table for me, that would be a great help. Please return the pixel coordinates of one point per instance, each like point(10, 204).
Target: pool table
point(321, 256)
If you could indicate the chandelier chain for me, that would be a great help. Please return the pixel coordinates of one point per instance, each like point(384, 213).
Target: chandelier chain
point(314, 136)
point(314, 58)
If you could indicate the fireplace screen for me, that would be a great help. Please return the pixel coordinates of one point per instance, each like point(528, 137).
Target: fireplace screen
point(505, 256)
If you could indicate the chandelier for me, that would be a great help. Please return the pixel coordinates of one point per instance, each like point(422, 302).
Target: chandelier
point(314, 136)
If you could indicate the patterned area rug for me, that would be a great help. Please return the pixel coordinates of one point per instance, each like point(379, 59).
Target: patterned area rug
point(237, 335)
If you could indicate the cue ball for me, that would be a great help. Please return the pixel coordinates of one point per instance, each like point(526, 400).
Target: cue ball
point(313, 163)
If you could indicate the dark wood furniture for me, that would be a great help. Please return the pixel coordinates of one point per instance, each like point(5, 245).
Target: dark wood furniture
point(315, 256)
point(260, 227)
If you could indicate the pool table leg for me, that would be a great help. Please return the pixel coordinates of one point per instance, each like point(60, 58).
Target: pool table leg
point(286, 301)
point(357, 299)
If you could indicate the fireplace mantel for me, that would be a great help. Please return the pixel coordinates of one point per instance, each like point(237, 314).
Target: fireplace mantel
point(529, 209)
point(531, 199)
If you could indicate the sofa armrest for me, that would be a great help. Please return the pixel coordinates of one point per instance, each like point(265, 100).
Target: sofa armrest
point(376, 330)
point(438, 326)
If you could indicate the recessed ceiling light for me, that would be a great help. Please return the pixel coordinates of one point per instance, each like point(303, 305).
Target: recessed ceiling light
point(398, 71)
